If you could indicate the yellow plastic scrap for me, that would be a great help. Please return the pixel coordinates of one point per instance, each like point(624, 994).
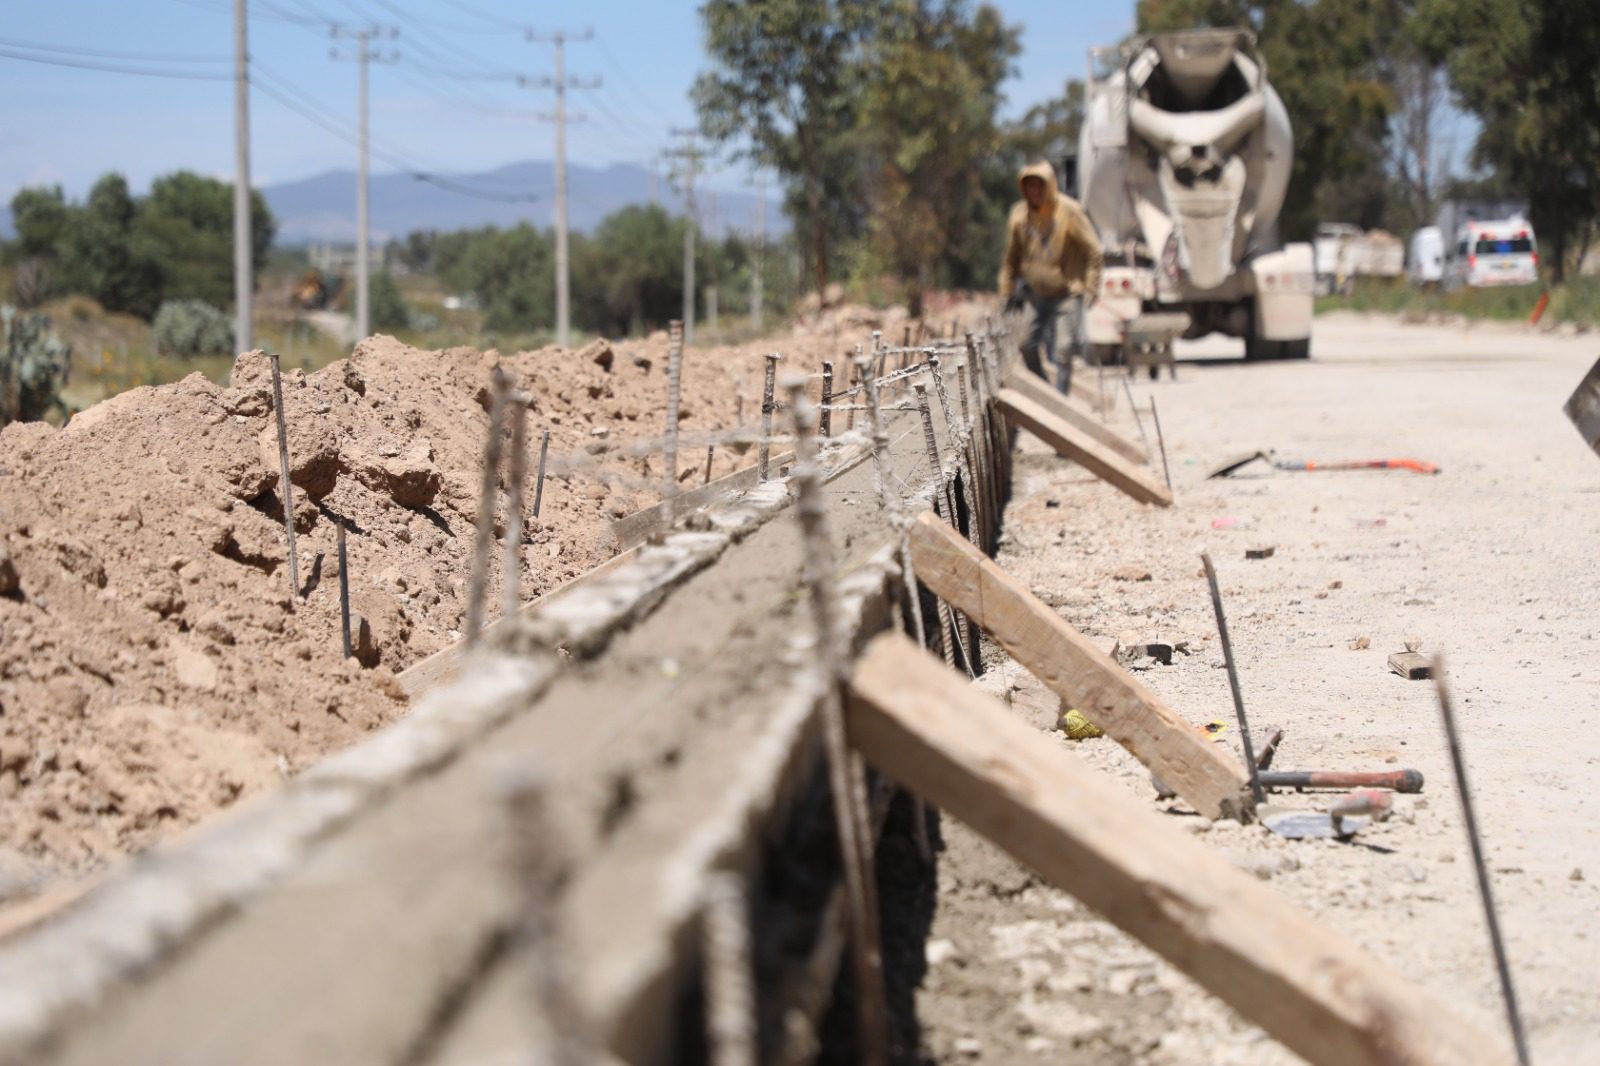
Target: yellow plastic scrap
point(1077, 727)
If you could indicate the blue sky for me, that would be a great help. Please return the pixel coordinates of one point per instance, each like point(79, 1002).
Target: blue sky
point(447, 106)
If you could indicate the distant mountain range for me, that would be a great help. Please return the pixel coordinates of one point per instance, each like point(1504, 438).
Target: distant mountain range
point(323, 207)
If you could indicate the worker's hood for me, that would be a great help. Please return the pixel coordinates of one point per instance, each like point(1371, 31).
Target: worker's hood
point(1046, 172)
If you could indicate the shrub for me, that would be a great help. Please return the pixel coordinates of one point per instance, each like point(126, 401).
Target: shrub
point(192, 327)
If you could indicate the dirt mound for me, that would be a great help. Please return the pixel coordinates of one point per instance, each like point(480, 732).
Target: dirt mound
point(153, 665)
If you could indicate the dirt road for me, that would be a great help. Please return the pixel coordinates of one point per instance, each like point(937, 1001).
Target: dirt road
point(1493, 562)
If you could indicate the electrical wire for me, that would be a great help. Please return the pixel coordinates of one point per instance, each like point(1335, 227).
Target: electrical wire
point(91, 53)
point(109, 68)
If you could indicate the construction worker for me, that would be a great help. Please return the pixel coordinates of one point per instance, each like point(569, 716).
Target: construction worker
point(1052, 254)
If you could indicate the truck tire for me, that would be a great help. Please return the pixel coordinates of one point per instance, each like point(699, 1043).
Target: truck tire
point(1259, 348)
point(1300, 349)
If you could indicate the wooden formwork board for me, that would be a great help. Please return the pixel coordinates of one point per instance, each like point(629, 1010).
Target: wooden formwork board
point(1067, 663)
point(1072, 443)
point(1319, 994)
point(1039, 392)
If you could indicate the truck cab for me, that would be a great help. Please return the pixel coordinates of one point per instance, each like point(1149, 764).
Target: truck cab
point(1502, 252)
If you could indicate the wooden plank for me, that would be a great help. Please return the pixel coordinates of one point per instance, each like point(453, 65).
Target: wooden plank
point(1316, 992)
point(1413, 666)
point(1072, 443)
point(1065, 661)
point(1042, 394)
point(638, 527)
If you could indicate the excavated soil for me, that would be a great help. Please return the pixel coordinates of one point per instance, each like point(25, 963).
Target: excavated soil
point(154, 666)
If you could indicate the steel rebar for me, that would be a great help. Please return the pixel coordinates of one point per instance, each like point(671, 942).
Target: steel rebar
point(500, 389)
point(1166, 471)
point(846, 775)
point(344, 590)
point(730, 992)
point(538, 486)
point(1479, 864)
point(674, 400)
point(516, 474)
point(826, 424)
point(284, 484)
point(764, 450)
point(1233, 680)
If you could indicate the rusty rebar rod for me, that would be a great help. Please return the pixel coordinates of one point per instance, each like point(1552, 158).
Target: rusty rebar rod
point(1233, 680)
point(500, 389)
point(669, 491)
point(511, 568)
point(344, 590)
point(1166, 471)
point(730, 992)
point(285, 486)
point(1480, 866)
point(846, 775)
point(764, 449)
point(826, 424)
point(538, 486)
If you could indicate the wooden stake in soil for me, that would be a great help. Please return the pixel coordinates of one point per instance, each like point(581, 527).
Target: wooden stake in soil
point(846, 776)
point(344, 591)
point(500, 388)
point(287, 490)
point(511, 570)
point(538, 488)
point(674, 400)
point(1502, 966)
point(764, 451)
point(729, 971)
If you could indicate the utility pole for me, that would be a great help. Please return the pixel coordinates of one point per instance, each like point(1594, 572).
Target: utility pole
point(364, 55)
point(561, 83)
point(757, 292)
point(243, 279)
point(712, 290)
point(691, 155)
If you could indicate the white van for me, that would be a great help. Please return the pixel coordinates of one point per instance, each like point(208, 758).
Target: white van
point(1425, 260)
point(1494, 253)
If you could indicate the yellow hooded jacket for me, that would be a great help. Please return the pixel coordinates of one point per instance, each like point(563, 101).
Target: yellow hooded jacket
point(1053, 249)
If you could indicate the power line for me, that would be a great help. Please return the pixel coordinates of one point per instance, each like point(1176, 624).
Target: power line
point(143, 57)
point(494, 20)
point(110, 68)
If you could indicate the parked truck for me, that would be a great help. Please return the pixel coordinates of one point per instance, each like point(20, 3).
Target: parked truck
point(1341, 253)
point(1184, 162)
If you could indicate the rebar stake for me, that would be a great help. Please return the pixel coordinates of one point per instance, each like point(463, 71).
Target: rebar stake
point(764, 450)
point(826, 418)
point(1233, 681)
point(538, 486)
point(1166, 472)
point(500, 387)
point(344, 590)
point(283, 478)
point(538, 864)
point(729, 971)
point(1128, 389)
point(948, 627)
point(674, 399)
point(846, 776)
point(1480, 866)
point(711, 453)
point(511, 570)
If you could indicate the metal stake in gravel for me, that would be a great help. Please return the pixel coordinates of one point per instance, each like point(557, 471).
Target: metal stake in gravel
point(1480, 866)
point(511, 571)
point(538, 487)
point(1128, 389)
point(846, 776)
point(764, 451)
point(500, 389)
point(344, 591)
point(1166, 471)
point(729, 971)
point(674, 400)
point(283, 478)
point(1233, 681)
point(711, 453)
point(826, 422)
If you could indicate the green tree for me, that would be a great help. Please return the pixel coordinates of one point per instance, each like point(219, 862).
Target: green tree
point(389, 310)
point(1528, 70)
point(928, 118)
point(628, 275)
point(38, 215)
point(785, 82)
point(104, 255)
point(189, 221)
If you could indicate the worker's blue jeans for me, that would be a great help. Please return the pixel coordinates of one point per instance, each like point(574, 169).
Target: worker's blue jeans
point(1039, 349)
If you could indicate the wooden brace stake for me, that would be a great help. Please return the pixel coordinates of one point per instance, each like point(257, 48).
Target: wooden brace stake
point(1325, 998)
point(1066, 662)
point(1072, 443)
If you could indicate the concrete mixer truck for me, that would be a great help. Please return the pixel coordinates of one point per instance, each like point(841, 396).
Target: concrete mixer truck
point(1183, 162)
